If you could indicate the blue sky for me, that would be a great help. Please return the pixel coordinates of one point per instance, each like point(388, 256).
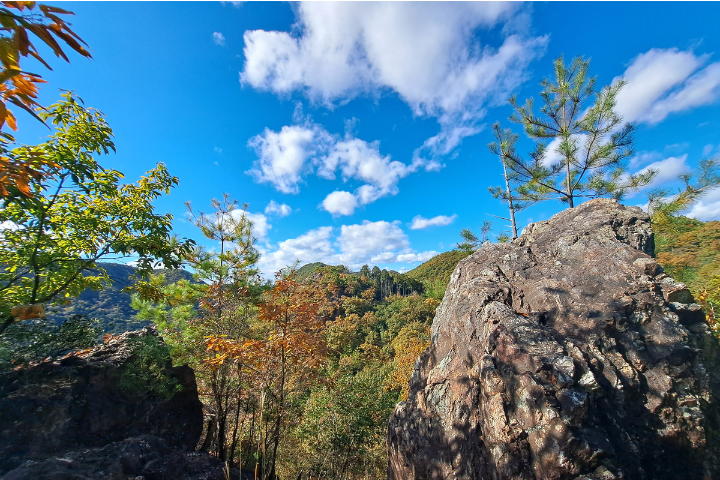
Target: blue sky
point(357, 132)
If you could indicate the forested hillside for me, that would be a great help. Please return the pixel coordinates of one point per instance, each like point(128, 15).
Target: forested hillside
point(110, 306)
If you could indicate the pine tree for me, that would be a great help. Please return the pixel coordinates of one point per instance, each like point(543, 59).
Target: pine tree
point(590, 140)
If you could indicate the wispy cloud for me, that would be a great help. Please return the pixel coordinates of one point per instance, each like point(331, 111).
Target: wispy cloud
point(218, 38)
point(665, 81)
point(419, 223)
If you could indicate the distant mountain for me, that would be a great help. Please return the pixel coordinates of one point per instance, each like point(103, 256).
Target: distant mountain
point(111, 306)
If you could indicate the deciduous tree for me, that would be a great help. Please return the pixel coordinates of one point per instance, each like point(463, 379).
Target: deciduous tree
point(20, 24)
point(77, 214)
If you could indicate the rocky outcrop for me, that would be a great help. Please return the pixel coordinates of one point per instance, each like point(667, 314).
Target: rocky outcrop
point(87, 401)
point(138, 458)
point(565, 354)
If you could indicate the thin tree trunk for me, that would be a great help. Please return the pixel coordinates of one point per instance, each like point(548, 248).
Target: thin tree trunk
point(208, 436)
point(510, 202)
point(261, 441)
point(237, 418)
point(569, 191)
point(278, 422)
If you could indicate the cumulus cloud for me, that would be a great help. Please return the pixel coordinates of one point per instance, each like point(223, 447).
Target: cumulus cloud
point(281, 210)
point(664, 81)
point(313, 246)
point(418, 223)
point(427, 53)
point(367, 243)
point(340, 203)
point(362, 243)
point(285, 157)
point(218, 38)
point(282, 155)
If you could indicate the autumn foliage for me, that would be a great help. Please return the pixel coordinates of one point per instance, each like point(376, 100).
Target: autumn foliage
point(20, 24)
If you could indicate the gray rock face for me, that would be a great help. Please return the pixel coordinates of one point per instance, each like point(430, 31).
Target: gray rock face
point(78, 403)
point(566, 354)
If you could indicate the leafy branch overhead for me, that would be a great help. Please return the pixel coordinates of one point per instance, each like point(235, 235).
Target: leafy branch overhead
point(20, 24)
point(78, 214)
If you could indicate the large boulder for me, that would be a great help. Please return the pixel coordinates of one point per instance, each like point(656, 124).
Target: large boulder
point(565, 354)
point(104, 395)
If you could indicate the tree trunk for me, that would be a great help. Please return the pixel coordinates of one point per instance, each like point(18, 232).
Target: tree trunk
point(231, 453)
point(278, 421)
point(510, 202)
point(208, 436)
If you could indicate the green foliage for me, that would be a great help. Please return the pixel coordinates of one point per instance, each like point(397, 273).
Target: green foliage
point(592, 143)
point(147, 371)
point(34, 341)
point(398, 312)
point(689, 251)
point(342, 432)
point(308, 270)
point(472, 242)
point(78, 214)
point(664, 208)
point(435, 273)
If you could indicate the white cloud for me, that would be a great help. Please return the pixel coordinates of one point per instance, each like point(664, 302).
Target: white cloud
point(295, 151)
point(218, 38)
point(417, 257)
point(260, 225)
point(340, 203)
point(667, 170)
point(418, 223)
point(427, 53)
point(661, 81)
point(367, 243)
point(361, 160)
point(218, 150)
point(281, 210)
point(643, 158)
point(283, 155)
point(313, 246)
point(708, 208)
point(370, 242)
